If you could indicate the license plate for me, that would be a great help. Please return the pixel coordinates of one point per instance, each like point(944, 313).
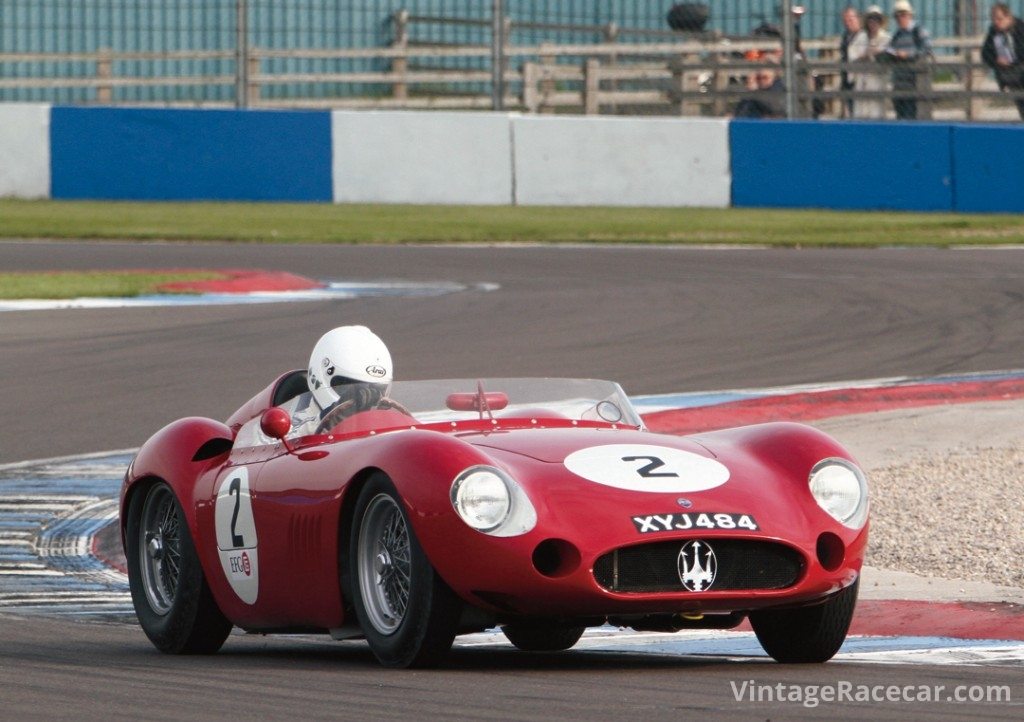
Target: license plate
point(685, 521)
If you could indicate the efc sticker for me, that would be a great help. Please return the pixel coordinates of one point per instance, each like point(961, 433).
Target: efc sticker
point(236, 535)
point(686, 521)
point(647, 468)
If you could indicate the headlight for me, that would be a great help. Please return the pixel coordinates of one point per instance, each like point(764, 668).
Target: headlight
point(490, 501)
point(840, 488)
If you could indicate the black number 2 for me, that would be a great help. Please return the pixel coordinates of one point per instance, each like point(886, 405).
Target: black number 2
point(236, 490)
point(648, 471)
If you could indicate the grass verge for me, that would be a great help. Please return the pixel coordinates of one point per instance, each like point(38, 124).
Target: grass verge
point(327, 223)
point(116, 284)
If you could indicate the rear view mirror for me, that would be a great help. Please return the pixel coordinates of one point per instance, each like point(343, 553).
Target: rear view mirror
point(276, 423)
point(493, 400)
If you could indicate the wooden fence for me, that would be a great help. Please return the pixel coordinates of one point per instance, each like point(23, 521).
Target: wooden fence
point(701, 76)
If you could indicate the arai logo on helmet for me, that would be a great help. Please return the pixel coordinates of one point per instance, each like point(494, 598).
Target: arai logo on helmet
point(377, 371)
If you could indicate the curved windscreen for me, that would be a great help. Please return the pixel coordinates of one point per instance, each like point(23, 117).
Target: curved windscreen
point(578, 399)
point(439, 401)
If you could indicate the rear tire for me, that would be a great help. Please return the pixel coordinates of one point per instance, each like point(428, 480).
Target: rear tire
point(542, 637)
point(172, 601)
point(806, 635)
point(407, 613)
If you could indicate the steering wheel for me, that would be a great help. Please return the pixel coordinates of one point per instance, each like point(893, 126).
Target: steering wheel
point(335, 416)
point(386, 404)
point(343, 410)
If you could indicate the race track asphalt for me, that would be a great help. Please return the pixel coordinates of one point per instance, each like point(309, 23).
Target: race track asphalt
point(93, 671)
point(655, 319)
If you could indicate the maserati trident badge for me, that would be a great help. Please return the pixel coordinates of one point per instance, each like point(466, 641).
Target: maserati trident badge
point(697, 566)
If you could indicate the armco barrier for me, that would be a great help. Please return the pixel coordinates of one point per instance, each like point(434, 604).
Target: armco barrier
point(430, 157)
point(139, 154)
point(987, 163)
point(24, 151)
point(856, 165)
point(621, 161)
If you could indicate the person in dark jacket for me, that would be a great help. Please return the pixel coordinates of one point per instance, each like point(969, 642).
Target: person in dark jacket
point(1003, 51)
point(909, 45)
point(770, 99)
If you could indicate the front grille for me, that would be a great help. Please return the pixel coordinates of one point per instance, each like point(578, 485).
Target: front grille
point(742, 564)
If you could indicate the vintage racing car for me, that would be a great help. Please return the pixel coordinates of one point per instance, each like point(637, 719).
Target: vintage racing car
point(540, 505)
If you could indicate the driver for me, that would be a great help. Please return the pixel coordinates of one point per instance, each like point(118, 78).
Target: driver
point(349, 371)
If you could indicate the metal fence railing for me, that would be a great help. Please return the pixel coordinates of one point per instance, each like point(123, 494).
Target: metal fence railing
point(568, 56)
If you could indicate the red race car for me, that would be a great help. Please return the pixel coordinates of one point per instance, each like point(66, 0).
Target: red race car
point(449, 507)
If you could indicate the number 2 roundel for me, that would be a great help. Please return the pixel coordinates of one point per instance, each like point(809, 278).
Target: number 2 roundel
point(236, 535)
point(643, 467)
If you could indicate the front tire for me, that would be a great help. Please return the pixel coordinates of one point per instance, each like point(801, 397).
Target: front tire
point(542, 637)
point(172, 601)
point(408, 615)
point(806, 635)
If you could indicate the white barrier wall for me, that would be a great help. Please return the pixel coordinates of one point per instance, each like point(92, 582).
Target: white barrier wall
point(621, 161)
point(422, 157)
point(24, 150)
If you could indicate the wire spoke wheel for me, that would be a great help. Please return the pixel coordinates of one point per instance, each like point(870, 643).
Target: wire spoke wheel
point(172, 601)
point(384, 561)
point(159, 550)
point(407, 613)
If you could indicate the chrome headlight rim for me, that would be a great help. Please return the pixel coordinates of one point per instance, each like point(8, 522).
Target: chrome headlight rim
point(520, 516)
point(858, 515)
point(462, 484)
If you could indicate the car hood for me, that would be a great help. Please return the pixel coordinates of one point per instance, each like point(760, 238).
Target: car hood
point(590, 473)
point(554, 445)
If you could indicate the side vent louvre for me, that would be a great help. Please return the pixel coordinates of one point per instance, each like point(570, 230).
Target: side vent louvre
point(304, 538)
point(212, 449)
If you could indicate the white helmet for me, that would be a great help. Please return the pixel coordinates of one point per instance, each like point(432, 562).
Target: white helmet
point(347, 355)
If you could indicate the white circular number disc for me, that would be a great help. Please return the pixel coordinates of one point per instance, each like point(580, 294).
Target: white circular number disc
point(642, 467)
point(237, 544)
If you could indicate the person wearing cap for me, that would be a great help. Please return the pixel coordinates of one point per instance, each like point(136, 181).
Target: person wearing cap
point(865, 47)
point(909, 44)
point(851, 28)
point(1003, 51)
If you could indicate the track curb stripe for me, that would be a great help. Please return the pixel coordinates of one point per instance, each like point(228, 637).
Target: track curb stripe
point(693, 413)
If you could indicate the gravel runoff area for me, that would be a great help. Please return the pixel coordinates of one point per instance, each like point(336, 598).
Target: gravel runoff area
point(946, 485)
point(957, 514)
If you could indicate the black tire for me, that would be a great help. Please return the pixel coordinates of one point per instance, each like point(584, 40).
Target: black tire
point(806, 635)
point(421, 633)
point(179, 615)
point(542, 637)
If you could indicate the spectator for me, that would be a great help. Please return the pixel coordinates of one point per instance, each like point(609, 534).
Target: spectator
point(865, 47)
point(909, 44)
point(1003, 51)
point(771, 94)
point(851, 26)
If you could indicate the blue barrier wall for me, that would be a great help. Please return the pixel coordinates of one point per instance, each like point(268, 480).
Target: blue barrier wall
point(987, 164)
point(134, 154)
point(141, 154)
point(857, 166)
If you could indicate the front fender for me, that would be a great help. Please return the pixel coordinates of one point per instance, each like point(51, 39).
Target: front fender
point(177, 455)
point(788, 448)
